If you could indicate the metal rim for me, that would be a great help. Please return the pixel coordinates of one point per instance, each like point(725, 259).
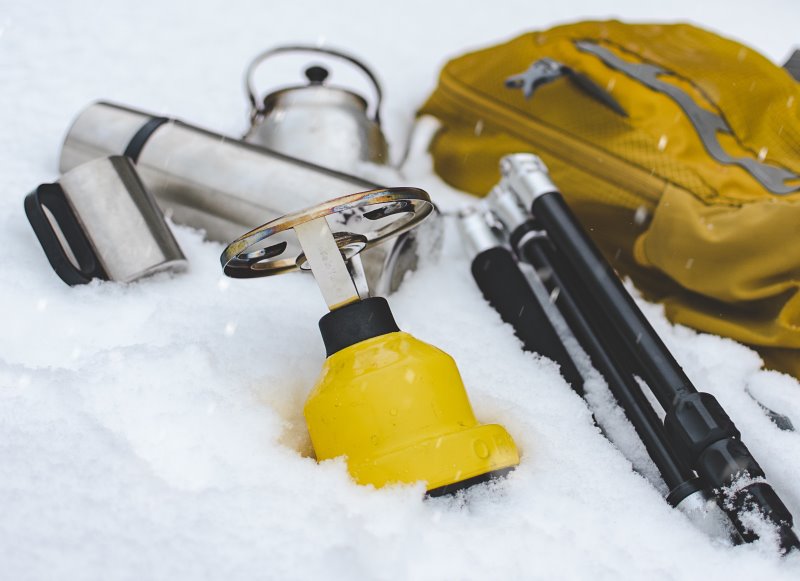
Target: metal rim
point(238, 262)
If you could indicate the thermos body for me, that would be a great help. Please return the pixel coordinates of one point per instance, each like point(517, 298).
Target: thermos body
point(203, 179)
point(220, 184)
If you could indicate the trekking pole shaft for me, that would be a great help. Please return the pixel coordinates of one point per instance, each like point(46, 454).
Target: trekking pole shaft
point(696, 424)
point(561, 282)
point(599, 279)
point(505, 287)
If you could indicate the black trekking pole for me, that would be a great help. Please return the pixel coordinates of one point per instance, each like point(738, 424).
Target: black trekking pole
point(598, 340)
point(504, 286)
point(697, 427)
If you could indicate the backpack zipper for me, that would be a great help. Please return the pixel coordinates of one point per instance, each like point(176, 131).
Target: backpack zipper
point(543, 137)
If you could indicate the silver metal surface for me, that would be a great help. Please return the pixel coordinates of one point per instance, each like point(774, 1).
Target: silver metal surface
point(404, 254)
point(316, 122)
point(527, 176)
point(224, 186)
point(322, 125)
point(507, 207)
point(120, 219)
point(230, 182)
point(476, 232)
point(326, 263)
point(101, 130)
point(356, 269)
point(357, 222)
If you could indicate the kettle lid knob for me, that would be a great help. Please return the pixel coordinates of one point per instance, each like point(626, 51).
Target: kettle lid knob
point(316, 74)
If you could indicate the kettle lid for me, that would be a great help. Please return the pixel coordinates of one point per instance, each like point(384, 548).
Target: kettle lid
point(315, 92)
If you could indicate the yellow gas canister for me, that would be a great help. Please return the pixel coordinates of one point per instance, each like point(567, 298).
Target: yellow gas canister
point(396, 407)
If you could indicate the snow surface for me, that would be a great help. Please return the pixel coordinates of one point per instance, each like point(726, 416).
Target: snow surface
point(154, 430)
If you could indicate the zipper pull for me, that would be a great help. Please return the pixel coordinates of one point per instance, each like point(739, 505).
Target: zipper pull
point(547, 70)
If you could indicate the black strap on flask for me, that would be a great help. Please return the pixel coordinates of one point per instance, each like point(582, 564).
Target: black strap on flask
point(51, 196)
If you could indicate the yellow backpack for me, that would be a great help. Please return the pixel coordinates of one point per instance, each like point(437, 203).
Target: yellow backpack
point(678, 150)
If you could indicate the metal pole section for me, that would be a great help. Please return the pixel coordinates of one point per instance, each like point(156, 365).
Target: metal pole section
point(665, 377)
point(531, 244)
point(600, 346)
point(502, 283)
point(696, 425)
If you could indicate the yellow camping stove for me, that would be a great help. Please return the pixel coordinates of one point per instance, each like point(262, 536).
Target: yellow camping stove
point(394, 406)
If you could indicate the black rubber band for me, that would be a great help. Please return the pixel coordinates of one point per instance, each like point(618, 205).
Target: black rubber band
point(139, 140)
point(684, 490)
point(520, 231)
point(356, 322)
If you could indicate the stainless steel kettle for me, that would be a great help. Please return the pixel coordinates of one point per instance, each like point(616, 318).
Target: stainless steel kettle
point(317, 122)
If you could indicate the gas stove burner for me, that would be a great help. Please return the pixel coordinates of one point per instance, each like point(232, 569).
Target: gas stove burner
point(356, 222)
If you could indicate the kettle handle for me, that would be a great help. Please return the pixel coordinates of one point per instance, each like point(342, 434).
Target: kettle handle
point(250, 89)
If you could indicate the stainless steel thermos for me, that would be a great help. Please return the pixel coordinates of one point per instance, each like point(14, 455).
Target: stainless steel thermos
point(223, 185)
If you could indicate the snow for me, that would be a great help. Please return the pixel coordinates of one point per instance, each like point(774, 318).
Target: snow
point(154, 430)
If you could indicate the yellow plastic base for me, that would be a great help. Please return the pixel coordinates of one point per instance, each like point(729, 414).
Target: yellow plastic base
point(442, 460)
point(397, 409)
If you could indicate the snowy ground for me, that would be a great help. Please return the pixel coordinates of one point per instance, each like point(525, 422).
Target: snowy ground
point(154, 430)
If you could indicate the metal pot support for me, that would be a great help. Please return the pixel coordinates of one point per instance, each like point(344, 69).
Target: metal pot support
point(327, 239)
